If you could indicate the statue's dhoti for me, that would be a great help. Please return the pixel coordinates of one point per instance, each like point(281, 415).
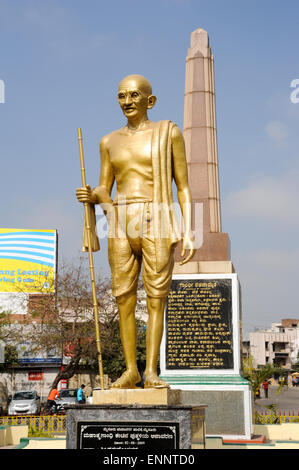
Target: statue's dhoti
point(131, 246)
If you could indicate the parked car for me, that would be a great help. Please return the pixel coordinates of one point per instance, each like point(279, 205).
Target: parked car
point(24, 402)
point(68, 396)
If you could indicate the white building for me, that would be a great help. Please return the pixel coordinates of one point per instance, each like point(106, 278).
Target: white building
point(278, 345)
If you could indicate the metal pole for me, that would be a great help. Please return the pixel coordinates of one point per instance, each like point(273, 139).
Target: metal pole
point(91, 266)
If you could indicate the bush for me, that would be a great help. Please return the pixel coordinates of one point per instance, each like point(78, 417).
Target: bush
point(37, 433)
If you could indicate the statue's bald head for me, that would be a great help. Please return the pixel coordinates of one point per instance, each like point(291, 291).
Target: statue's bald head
point(136, 82)
point(135, 91)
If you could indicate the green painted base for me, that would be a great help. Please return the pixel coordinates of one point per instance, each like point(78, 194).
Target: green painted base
point(205, 380)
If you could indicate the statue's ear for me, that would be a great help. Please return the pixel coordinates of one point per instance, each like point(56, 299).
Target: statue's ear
point(151, 101)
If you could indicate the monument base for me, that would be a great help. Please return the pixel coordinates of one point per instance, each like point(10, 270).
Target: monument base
point(200, 350)
point(149, 396)
point(229, 403)
point(204, 267)
point(135, 427)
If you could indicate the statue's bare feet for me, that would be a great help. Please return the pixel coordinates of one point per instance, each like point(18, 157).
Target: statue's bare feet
point(153, 381)
point(128, 379)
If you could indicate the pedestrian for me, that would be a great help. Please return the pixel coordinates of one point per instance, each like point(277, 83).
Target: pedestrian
point(266, 387)
point(81, 395)
point(51, 398)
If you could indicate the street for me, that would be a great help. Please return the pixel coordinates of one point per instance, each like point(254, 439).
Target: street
point(287, 400)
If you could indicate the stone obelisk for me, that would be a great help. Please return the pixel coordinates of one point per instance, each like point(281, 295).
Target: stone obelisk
point(202, 156)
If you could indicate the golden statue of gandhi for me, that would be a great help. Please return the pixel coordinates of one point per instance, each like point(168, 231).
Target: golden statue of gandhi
point(143, 158)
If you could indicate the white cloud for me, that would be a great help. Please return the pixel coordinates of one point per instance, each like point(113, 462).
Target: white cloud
point(277, 131)
point(267, 198)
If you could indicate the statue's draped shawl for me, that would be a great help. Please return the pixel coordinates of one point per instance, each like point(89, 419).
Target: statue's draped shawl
point(165, 225)
point(165, 222)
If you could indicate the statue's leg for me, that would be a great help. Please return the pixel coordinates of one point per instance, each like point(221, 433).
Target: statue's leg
point(125, 268)
point(154, 333)
point(126, 306)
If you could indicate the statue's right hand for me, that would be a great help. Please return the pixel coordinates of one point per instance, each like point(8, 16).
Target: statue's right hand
point(86, 195)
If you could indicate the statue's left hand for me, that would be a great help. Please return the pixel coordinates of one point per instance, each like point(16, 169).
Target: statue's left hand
point(188, 244)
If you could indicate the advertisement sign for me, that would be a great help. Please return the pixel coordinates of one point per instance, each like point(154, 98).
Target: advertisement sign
point(35, 375)
point(63, 382)
point(40, 360)
point(27, 260)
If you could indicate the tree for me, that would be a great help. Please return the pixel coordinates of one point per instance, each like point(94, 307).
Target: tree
point(10, 355)
point(295, 366)
point(257, 376)
point(63, 322)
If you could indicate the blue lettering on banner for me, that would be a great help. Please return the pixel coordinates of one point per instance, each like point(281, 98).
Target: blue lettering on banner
point(7, 279)
point(9, 276)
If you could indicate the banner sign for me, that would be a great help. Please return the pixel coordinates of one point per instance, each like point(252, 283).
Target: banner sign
point(40, 360)
point(27, 260)
point(35, 375)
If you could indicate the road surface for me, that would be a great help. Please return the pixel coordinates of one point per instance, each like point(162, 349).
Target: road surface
point(287, 400)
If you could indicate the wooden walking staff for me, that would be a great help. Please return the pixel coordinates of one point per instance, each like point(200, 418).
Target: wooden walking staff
point(87, 222)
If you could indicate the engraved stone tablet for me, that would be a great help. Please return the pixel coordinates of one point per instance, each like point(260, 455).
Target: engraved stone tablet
point(202, 327)
point(131, 435)
point(199, 324)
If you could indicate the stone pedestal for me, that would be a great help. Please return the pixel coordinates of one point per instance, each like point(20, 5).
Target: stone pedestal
point(204, 267)
point(134, 426)
point(150, 396)
point(200, 351)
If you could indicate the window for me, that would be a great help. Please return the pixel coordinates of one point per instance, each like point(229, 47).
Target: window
point(68, 393)
point(24, 396)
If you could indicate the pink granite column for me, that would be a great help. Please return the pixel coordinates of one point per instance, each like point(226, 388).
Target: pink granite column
point(201, 146)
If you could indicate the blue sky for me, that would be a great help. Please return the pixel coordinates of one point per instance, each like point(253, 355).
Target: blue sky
point(61, 62)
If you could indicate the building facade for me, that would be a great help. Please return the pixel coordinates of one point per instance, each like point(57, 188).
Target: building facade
point(278, 345)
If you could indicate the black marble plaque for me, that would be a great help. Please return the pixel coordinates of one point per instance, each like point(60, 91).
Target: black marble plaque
point(199, 333)
point(130, 435)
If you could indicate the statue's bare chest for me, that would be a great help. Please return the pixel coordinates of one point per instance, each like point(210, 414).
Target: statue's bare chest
point(131, 151)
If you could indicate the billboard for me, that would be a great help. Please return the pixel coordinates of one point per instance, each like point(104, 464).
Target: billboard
point(28, 260)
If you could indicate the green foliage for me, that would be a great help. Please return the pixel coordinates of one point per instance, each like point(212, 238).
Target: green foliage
point(37, 433)
point(272, 418)
point(10, 355)
point(257, 376)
